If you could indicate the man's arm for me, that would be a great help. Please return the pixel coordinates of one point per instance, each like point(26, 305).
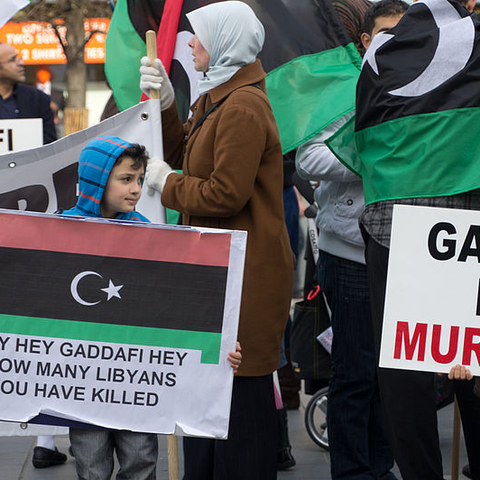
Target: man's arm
point(315, 161)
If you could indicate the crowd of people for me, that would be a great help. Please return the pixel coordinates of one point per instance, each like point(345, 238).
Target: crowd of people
point(233, 177)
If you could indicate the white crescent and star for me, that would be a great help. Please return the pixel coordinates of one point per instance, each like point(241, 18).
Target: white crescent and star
point(111, 291)
point(454, 49)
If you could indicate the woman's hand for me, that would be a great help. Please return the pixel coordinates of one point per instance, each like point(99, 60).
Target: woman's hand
point(235, 358)
point(156, 174)
point(155, 78)
point(459, 372)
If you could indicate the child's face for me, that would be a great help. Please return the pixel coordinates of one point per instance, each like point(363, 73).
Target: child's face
point(123, 190)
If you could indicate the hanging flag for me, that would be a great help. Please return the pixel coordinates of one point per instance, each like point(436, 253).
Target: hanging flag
point(311, 63)
point(416, 128)
point(118, 324)
point(312, 66)
point(9, 8)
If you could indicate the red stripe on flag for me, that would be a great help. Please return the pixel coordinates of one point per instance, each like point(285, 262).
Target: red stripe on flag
point(74, 235)
point(167, 34)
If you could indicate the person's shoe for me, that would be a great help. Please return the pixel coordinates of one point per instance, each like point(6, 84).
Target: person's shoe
point(44, 457)
point(466, 471)
point(285, 459)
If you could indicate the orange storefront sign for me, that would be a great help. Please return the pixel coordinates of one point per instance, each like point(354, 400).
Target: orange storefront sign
point(38, 44)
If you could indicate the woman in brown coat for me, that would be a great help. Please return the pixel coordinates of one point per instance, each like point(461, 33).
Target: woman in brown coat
point(232, 178)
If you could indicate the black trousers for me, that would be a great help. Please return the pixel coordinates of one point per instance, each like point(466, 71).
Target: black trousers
point(250, 453)
point(408, 397)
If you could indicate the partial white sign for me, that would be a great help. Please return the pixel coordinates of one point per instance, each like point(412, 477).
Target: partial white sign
point(18, 134)
point(432, 305)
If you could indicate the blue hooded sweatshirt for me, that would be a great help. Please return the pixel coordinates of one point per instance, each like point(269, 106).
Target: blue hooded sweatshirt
point(94, 166)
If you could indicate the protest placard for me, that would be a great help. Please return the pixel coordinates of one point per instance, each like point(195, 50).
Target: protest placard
point(118, 324)
point(432, 303)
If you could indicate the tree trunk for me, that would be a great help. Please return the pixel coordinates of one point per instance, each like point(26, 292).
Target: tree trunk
point(76, 69)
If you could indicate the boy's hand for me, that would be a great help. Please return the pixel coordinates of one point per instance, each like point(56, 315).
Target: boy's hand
point(154, 77)
point(459, 372)
point(156, 175)
point(235, 358)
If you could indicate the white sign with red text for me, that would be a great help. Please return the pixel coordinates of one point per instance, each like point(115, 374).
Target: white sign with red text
point(432, 304)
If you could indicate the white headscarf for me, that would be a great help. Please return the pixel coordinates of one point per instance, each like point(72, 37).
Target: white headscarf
point(231, 34)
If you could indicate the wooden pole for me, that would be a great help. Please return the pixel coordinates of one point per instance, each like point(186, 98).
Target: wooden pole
point(456, 440)
point(151, 39)
point(172, 458)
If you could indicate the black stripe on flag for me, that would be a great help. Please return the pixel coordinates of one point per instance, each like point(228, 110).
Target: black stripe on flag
point(89, 288)
point(409, 51)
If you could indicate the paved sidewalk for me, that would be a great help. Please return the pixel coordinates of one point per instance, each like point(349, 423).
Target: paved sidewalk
point(312, 461)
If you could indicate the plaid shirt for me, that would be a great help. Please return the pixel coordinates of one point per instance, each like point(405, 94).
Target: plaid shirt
point(377, 217)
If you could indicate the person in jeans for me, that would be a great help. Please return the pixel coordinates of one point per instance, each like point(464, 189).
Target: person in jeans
point(358, 445)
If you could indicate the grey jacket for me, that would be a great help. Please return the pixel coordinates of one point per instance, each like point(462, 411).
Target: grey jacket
point(339, 196)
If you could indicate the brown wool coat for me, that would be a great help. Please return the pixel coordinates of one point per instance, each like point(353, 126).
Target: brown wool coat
point(233, 179)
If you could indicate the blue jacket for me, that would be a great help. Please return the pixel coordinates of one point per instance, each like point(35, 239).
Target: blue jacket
point(94, 166)
point(32, 103)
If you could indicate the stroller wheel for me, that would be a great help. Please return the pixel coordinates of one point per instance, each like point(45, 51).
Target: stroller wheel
point(316, 418)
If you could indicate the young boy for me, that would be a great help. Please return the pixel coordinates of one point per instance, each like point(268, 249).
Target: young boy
point(111, 173)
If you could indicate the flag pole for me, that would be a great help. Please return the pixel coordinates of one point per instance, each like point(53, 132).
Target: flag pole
point(151, 40)
point(455, 440)
point(172, 457)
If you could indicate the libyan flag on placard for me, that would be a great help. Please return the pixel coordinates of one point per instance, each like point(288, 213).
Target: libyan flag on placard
point(416, 130)
point(122, 325)
point(8, 8)
point(113, 283)
point(311, 63)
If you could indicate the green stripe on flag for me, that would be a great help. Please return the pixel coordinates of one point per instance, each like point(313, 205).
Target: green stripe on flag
point(124, 49)
point(423, 155)
point(342, 144)
point(310, 92)
point(208, 343)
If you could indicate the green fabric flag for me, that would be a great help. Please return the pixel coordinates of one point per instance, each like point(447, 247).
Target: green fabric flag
point(312, 91)
point(424, 155)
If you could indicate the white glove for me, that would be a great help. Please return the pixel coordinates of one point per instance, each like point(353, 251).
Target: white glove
point(156, 175)
point(155, 78)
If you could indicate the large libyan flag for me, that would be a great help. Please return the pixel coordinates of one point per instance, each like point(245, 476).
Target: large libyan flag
point(311, 63)
point(417, 126)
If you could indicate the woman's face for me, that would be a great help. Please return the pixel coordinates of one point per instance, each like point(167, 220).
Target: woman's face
point(201, 57)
